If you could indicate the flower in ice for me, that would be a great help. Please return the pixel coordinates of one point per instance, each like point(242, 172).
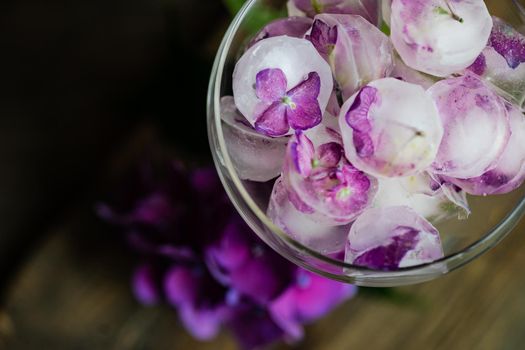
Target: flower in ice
point(368, 9)
point(323, 182)
point(439, 37)
point(390, 128)
point(390, 238)
point(502, 62)
point(357, 51)
point(476, 127)
point(281, 83)
point(201, 258)
point(255, 156)
point(297, 108)
point(509, 172)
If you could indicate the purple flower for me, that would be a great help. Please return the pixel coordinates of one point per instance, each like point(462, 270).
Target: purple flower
point(297, 108)
point(306, 300)
point(145, 285)
point(323, 37)
point(202, 259)
point(508, 42)
point(321, 180)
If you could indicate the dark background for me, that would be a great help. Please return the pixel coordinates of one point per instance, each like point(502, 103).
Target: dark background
point(76, 78)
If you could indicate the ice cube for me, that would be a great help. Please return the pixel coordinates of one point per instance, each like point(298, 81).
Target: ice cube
point(255, 156)
point(509, 172)
point(393, 192)
point(502, 62)
point(476, 127)
point(390, 128)
point(390, 238)
point(357, 51)
point(295, 60)
point(321, 181)
point(302, 226)
point(439, 37)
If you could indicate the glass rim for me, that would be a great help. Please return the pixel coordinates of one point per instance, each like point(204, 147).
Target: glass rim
point(452, 261)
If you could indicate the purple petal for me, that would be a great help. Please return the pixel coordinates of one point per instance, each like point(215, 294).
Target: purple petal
point(203, 324)
point(302, 153)
point(308, 299)
point(330, 154)
point(253, 328)
point(270, 85)
point(259, 278)
point(389, 256)
point(273, 121)
point(182, 284)
point(145, 285)
point(508, 42)
point(233, 249)
point(479, 66)
point(306, 90)
point(305, 115)
point(323, 37)
point(303, 111)
point(357, 118)
point(392, 237)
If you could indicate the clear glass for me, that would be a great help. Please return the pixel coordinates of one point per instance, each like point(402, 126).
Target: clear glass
point(492, 217)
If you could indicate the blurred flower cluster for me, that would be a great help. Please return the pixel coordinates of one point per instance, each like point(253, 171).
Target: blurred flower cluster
point(200, 257)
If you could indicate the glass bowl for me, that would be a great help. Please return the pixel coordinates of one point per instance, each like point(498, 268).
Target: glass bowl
point(491, 220)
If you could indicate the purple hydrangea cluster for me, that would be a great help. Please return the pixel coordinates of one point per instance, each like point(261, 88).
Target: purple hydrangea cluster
point(200, 257)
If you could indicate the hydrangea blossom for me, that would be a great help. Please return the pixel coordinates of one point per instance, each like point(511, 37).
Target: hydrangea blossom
point(502, 62)
point(280, 84)
point(201, 258)
point(476, 127)
point(302, 224)
point(385, 143)
point(390, 238)
point(439, 37)
point(255, 156)
point(322, 182)
point(509, 172)
point(368, 9)
point(297, 108)
point(357, 51)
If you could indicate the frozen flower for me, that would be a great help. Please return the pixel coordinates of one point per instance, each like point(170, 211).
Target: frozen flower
point(322, 182)
point(476, 127)
point(439, 37)
point(386, 143)
point(502, 62)
point(357, 51)
point(509, 172)
point(390, 238)
point(281, 84)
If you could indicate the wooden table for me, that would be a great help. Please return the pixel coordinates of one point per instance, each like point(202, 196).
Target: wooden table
point(73, 293)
